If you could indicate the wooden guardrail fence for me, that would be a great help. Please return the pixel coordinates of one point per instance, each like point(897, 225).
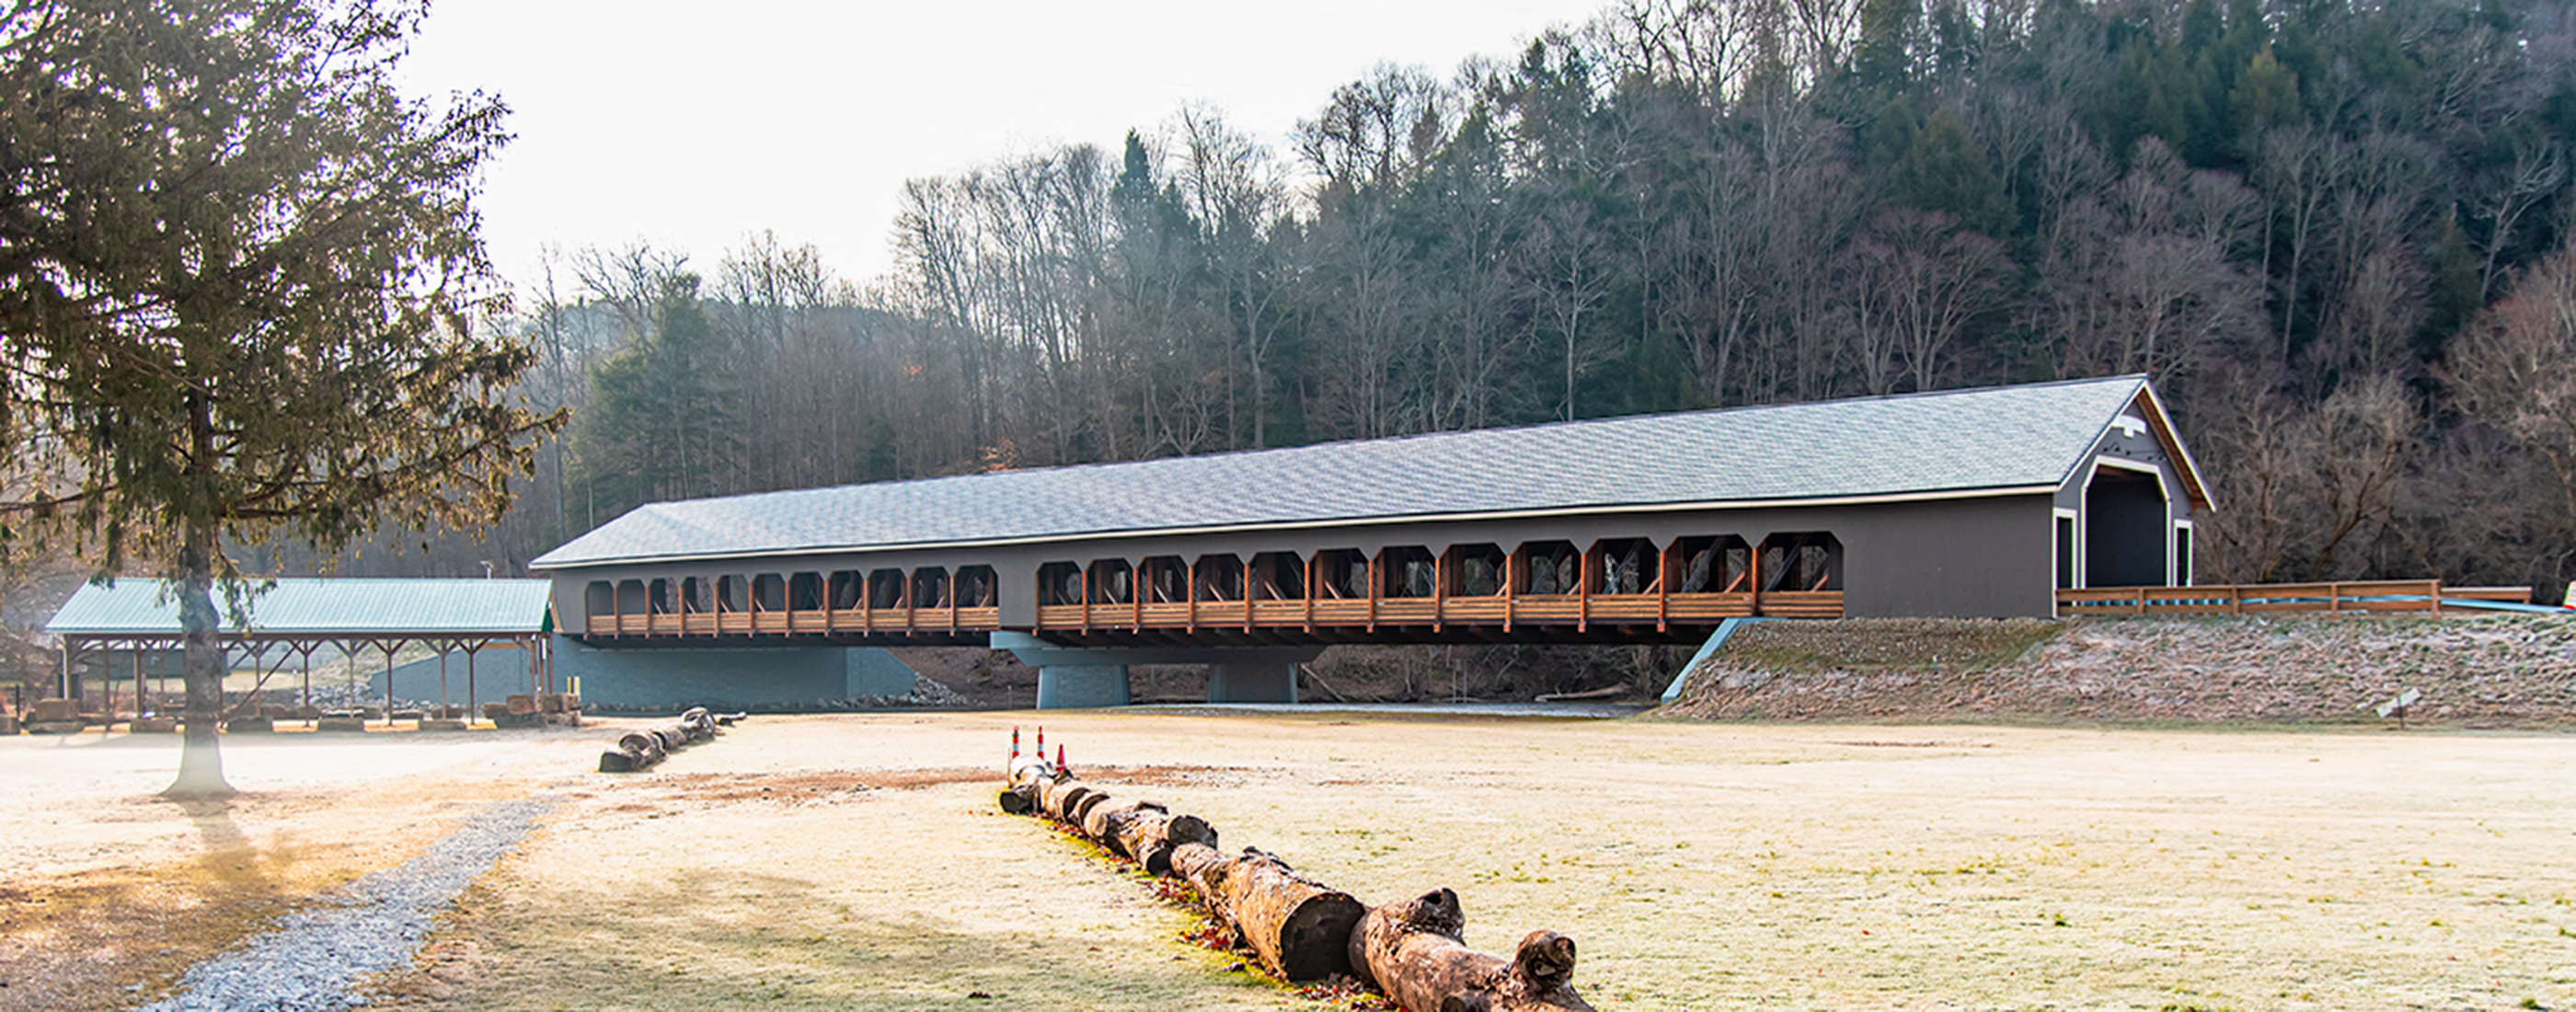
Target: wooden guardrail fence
point(2357, 597)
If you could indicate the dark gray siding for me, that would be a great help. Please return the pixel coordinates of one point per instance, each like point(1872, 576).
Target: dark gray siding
point(1986, 556)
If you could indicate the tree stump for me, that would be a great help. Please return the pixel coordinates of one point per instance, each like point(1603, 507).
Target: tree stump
point(1415, 951)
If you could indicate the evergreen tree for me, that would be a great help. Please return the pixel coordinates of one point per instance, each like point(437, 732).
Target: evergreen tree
point(239, 280)
point(1944, 169)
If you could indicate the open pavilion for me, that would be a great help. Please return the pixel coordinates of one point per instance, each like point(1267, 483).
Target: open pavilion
point(289, 620)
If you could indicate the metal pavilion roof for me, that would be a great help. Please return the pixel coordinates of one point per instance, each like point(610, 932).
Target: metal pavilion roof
point(320, 608)
point(1929, 445)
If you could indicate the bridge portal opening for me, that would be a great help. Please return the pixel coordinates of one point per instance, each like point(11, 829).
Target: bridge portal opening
point(2124, 529)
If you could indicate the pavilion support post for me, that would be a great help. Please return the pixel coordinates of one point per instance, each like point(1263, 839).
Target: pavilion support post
point(389, 679)
point(472, 705)
point(442, 681)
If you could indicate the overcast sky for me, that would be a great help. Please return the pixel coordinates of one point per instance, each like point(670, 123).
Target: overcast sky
point(692, 125)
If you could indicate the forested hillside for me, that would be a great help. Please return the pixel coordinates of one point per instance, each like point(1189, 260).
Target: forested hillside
point(2335, 234)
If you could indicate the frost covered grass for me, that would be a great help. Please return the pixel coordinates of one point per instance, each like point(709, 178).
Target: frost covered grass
point(857, 862)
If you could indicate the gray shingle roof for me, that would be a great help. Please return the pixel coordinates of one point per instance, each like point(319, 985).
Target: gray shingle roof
point(1913, 445)
point(319, 607)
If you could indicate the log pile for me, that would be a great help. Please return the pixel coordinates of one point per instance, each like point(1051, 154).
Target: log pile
point(1414, 951)
point(638, 750)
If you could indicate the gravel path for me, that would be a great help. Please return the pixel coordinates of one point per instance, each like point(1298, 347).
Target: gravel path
point(376, 924)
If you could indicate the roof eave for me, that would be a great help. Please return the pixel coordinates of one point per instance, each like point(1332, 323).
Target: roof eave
point(541, 565)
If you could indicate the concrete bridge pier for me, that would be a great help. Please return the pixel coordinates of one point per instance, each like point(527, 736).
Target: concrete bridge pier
point(1253, 682)
point(1081, 686)
point(1070, 677)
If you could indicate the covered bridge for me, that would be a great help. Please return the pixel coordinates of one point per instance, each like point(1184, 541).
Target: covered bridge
point(1641, 529)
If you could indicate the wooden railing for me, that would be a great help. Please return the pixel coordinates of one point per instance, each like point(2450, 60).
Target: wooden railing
point(762, 622)
point(2360, 597)
point(1577, 610)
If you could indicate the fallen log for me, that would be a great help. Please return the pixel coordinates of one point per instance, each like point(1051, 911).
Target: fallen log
point(1080, 815)
point(1416, 952)
point(1101, 822)
point(1028, 773)
point(1148, 838)
point(1054, 796)
point(1299, 927)
point(645, 746)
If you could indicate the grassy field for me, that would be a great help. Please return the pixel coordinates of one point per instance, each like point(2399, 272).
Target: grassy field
point(858, 862)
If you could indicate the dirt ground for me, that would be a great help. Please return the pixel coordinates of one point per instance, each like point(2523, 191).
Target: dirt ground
point(857, 861)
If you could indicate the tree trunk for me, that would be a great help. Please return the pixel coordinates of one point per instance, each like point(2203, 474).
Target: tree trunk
point(1028, 773)
point(201, 760)
point(1414, 951)
point(1102, 821)
point(1300, 928)
point(1148, 838)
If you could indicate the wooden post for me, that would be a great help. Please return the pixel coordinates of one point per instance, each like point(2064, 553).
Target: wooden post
point(1440, 586)
point(1190, 592)
point(1375, 581)
point(1583, 591)
point(1137, 578)
point(1086, 599)
point(1664, 584)
point(1310, 589)
point(1512, 567)
point(1753, 580)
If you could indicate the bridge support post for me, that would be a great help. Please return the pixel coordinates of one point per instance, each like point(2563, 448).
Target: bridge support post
point(1081, 686)
point(1255, 682)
